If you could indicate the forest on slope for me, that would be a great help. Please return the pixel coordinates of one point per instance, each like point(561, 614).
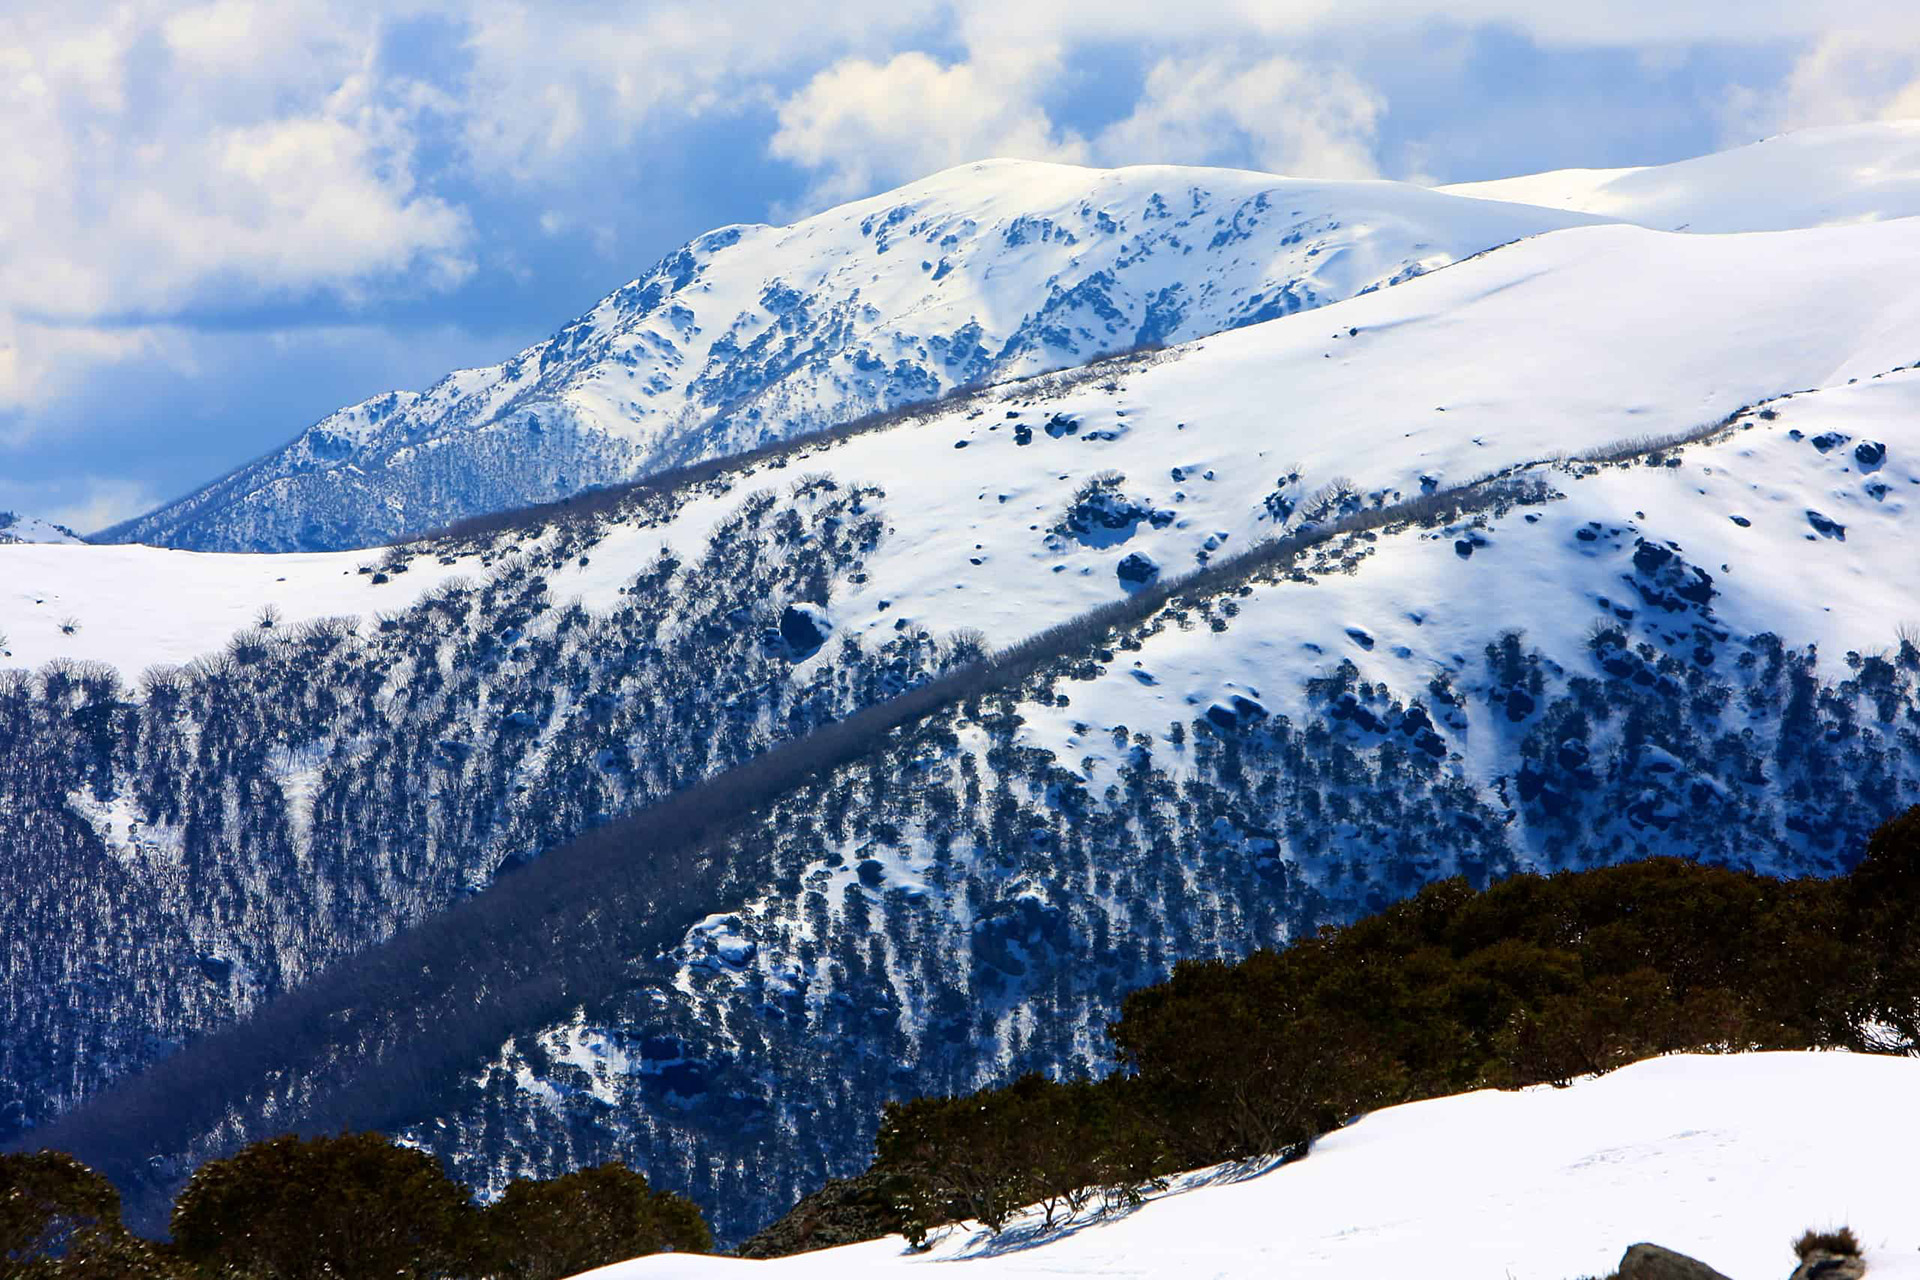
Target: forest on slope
point(1679, 645)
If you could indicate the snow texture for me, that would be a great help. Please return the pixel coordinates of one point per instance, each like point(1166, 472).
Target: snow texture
point(16, 528)
point(1725, 1158)
point(1809, 178)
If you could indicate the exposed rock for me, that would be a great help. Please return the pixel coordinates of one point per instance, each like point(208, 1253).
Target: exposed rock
point(1821, 1264)
point(1137, 569)
point(804, 628)
point(845, 1211)
point(1651, 1262)
point(1825, 527)
point(1241, 713)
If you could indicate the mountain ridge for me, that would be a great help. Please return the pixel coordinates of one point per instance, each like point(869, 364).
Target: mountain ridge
point(751, 333)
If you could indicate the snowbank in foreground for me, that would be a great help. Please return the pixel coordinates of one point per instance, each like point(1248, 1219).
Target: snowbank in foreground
point(1725, 1158)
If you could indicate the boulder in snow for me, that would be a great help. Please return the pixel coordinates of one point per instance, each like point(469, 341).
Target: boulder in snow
point(1651, 1262)
point(1137, 570)
point(804, 628)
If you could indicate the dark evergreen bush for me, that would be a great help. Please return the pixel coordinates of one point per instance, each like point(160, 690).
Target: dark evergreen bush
point(1537, 979)
point(586, 1219)
point(60, 1219)
point(320, 1208)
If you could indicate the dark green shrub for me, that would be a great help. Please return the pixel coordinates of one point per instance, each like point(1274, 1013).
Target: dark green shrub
point(590, 1218)
point(1534, 980)
point(323, 1208)
point(59, 1218)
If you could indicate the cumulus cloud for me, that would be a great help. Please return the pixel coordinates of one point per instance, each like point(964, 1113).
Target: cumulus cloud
point(198, 159)
point(1278, 113)
point(863, 125)
point(1845, 77)
point(548, 85)
point(176, 168)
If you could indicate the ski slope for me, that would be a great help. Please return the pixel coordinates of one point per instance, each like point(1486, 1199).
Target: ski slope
point(1808, 178)
point(1553, 345)
point(1727, 1159)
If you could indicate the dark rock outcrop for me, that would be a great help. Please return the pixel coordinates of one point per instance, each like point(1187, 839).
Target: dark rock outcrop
point(804, 628)
point(1823, 1264)
point(1137, 570)
point(1651, 1262)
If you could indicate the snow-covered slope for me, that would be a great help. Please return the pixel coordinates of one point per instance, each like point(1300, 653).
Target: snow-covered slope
point(1557, 344)
point(755, 333)
point(16, 528)
point(1809, 178)
point(1725, 1158)
point(1695, 653)
point(977, 902)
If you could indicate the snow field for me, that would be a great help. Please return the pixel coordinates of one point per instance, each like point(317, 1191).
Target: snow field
point(1726, 1158)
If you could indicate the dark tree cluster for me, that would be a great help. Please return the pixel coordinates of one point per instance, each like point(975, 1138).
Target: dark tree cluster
point(1535, 980)
point(181, 850)
point(346, 1206)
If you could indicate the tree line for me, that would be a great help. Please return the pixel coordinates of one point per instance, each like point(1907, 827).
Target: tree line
point(1533, 980)
point(350, 1205)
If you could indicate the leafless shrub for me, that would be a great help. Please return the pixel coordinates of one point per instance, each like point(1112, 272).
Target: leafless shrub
point(1840, 1240)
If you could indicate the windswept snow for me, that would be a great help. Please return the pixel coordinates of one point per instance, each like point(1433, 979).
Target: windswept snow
point(1809, 178)
point(1725, 1158)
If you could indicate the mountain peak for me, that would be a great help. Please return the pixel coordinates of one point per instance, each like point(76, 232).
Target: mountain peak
point(751, 333)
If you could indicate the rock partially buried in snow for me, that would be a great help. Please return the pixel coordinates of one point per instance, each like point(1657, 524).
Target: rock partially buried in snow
point(804, 628)
point(1823, 1265)
point(1651, 1262)
point(1137, 570)
point(1828, 1265)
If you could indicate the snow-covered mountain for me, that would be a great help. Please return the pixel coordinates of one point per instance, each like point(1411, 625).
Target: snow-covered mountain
point(1555, 345)
point(16, 528)
point(1723, 1158)
point(1632, 647)
point(1808, 178)
point(751, 334)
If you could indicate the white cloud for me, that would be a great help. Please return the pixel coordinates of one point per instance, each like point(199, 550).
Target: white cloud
point(863, 125)
point(1288, 116)
point(103, 501)
point(550, 84)
point(1619, 23)
point(1846, 77)
point(40, 362)
point(164, 159)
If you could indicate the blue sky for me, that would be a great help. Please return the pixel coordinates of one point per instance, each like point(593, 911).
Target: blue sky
point(222, 220)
